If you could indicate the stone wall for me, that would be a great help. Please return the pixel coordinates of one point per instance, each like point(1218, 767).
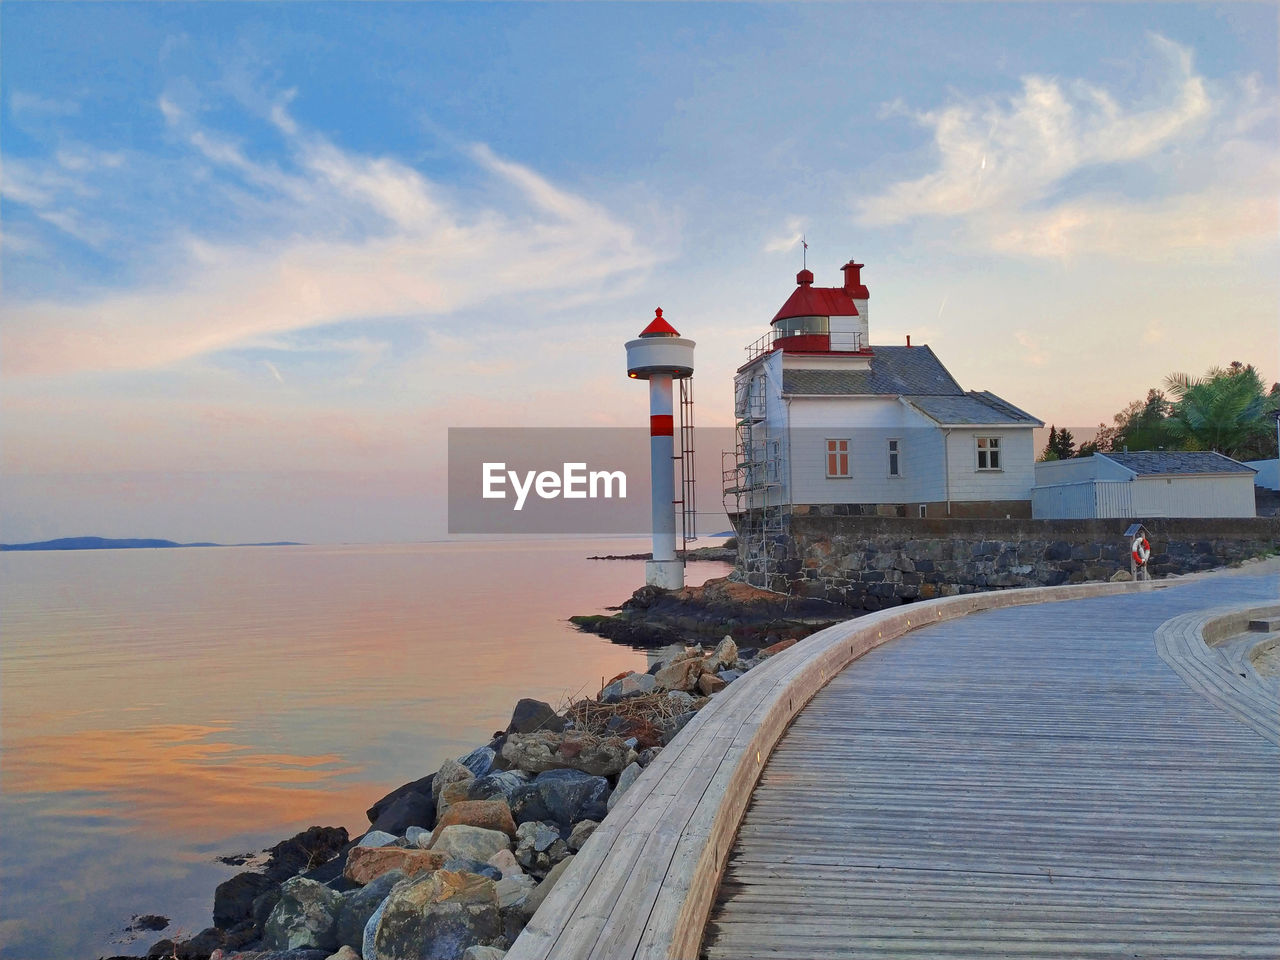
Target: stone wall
point(875, 562)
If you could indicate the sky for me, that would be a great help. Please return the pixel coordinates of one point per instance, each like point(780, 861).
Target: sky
point(258, 258)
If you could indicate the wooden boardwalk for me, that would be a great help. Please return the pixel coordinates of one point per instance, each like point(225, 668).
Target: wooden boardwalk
point(1024, 782)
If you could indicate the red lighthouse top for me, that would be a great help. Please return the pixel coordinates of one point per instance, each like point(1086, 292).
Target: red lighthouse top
point(810, 301)
point(658, 327)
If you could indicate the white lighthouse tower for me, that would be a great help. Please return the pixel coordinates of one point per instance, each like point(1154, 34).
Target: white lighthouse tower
point(661, 356)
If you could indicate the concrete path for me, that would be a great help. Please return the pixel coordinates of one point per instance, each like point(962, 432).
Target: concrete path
point(1024, 782)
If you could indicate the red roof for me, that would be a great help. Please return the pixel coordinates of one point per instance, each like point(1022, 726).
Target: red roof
point(811, 301)
point(659, 327)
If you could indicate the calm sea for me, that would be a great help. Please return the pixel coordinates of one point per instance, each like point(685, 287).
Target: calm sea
point(161, 708)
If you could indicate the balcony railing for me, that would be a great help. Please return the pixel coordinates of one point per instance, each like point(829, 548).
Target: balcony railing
point(774, 338)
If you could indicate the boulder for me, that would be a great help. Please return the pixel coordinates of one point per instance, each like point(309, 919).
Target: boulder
point(675, 725)
point(418, 837)
point(377, 838)
point(479, 761)
point(1121, 576)
point(498, 785)
point(344, 952)
point(304, 851)
point(474, 843)
point(356, 907)
point(534, 900)
point(728, 676)
point(451, 771)
point(631, 685)
point(625, 779)
point(422, 786)
point(478, 952)
point(367, 949)
point(680, 674)
point(709, 683)
point(450, 794)
point(489, 814)
point(724, 657)
point(682, 700)
point(506, 863)
point(364, 864)
point(775, 648)
point(514, 890)
point(562, 797)
point(465, 865)
point(530, 715)
point(647, 756)
point(437, 917)
point(233, 899)
point(572, 750)
point(306, 916)
point(411, 809)
point(582, 831)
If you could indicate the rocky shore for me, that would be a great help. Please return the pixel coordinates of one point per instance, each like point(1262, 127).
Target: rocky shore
point(454, 864)
point(653, 617)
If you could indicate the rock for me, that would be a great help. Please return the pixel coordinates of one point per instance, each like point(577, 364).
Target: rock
point(344, 953)
point(680, 674)
point(709, 683)
point(479, 761)
point(148, 922)
point(436, 917)
point(306, 916)
point(418, 837)
point(474, 843)
point(477, 952)
point(638, 732)
point(422, 786)
point(199, 947)
point(498, 785)
point(371, 929)
point(776, 648)
point(625, 779)
point(1121, 576)
point(514, 890)
point(573, 750)
point(724, 657)
point(355, 907)
point(411, 809)
point(562, 797)
point(530, 715)
point(377, 838)
point(631, 685)
point(582, 831)
point(451, 771)
point(489, 814)
point(304, 851)
point(450, 794)
point(681, 699)
point(728, 676)
point(506, 863)
point(233, 899)
point(465, 865)
point(365, 864)
point(536, 835)
point(647, 756)
point(534, 900)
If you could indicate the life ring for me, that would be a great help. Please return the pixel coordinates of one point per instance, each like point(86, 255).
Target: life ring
point(1141, 551)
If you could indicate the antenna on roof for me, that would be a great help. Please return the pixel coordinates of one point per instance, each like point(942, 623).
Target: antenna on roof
point(804, 253)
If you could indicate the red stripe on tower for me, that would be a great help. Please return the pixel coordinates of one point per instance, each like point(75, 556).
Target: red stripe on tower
point(662, 425)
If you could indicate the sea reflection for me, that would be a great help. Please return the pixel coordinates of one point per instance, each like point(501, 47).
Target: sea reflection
point(161, 708)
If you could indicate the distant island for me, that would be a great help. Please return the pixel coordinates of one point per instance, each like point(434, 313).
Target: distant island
point(104, 543)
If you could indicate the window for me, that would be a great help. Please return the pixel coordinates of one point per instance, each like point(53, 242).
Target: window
point(894, 470)
point(837, 458)
point(988, 453)
point(924, 511)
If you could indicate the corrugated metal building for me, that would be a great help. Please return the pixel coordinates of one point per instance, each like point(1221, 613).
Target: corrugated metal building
point(1143, 484)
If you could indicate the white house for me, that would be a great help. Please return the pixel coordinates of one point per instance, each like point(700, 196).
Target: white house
point(1142, 485)
point(826, 420)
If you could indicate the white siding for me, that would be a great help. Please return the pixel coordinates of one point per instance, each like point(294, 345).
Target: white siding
point(1017, 457)
point(1194, 496)
point(848, 333)
point(1080, 468)
point(1081, 500)
point(868, 423)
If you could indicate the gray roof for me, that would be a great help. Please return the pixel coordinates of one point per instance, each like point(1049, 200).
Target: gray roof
point(977, 408)
point(1152, 462)
point(916, 374)
point(895, 371)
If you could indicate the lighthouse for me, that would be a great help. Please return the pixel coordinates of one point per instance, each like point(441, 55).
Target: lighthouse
point(661, 356)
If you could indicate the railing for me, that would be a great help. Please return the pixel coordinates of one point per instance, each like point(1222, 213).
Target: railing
point(773, 338)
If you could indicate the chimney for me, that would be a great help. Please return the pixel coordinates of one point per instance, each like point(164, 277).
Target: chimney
point(853, 281)
point(908, 339)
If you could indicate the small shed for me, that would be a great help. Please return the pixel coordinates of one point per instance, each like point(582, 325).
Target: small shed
point(1143, 484)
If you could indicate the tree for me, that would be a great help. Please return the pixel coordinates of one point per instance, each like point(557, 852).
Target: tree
point(1066, 445)
point(1050, 451)
point(1142, 425)
point(1228, 410)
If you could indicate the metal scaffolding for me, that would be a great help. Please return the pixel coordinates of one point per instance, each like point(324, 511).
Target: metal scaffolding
point(753, 485)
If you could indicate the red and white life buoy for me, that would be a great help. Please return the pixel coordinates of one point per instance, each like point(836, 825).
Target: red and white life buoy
point(1141, 551)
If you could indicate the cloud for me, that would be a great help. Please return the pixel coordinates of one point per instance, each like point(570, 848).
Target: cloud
point(792, 236)
point(1010, 169)
point(22, 103)
point(1032, 350)
point(337, 236)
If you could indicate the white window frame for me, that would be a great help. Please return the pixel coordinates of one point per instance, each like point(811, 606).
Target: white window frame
point(983, 449)
point(893, 446)
point(836, 451)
